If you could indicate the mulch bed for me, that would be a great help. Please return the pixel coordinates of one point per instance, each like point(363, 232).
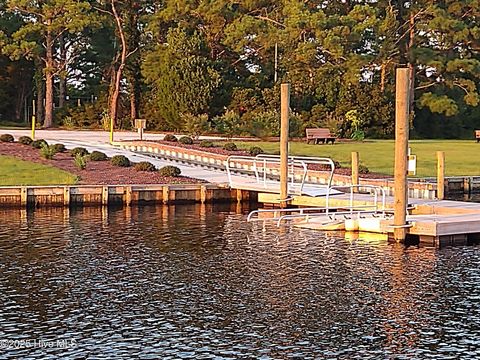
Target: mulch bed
point(97, 172)
point(196, 146)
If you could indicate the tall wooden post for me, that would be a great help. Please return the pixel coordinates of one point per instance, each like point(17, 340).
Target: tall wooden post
point(355, 169)
point(401, 152)
point(440, 175)
point(285, 105)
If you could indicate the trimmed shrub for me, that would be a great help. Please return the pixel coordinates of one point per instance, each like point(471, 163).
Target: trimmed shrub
point(362, 169)
point(170, 137)
point(170, 170)
point(120, 160)
point(80, 161)
point(98, 156)
point(25, 140)
point(230, 146)
point(37, 144)
point(59, 148)
point(6, 138)
point(79, 150)
point(47, 152)
point(206, 144)
point(255, 150)
point(186, 140)
point(145, 166)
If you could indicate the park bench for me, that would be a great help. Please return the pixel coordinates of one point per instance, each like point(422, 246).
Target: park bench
point(477, 135)
point(319, 134)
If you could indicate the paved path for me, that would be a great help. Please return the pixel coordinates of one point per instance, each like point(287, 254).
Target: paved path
point(99, 140)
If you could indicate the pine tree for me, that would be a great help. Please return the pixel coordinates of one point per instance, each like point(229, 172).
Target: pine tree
point(45, 23)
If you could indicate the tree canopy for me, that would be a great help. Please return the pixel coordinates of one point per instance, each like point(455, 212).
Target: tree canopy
point(223, 60)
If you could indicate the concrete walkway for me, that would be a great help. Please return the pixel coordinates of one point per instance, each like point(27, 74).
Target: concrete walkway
point(99, 141)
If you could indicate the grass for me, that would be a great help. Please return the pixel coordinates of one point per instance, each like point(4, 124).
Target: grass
point(18, 172)
point(12, 125)
point(378, 155)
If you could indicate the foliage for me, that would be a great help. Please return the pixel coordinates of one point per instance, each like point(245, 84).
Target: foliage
point(79, 150)
point(59, 148)
point(80, 161)
point(230, 123)
point(230, 146)
point(255, 150)
point(206, 144)
point(98, 156)
point(186, 140)
point(196, 66)
point(362, 169)
point(25, 140)
point(48, 151)
point(145, 166)
point(170, 171)
point(37, 144)
point(7, 138)
point(120, 160)
point(184, 79)
point(105, 121)
point(170, 138)
point(68, 122)
point(195, 125)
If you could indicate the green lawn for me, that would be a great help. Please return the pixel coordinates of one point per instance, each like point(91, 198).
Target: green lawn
point(18, 172)
point(462, 157)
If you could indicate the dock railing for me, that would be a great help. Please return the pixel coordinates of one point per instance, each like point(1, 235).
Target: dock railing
point(266, 170)
point(377, 207)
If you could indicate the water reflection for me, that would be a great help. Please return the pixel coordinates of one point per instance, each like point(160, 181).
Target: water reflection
point(199, 282)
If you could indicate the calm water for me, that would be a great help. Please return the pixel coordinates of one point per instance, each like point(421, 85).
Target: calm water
point(199, 282)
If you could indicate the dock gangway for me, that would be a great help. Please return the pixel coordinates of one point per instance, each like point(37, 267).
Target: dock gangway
point(373, 207)
point(263, 171)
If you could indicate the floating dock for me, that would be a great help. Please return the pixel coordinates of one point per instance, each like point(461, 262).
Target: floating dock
point(433, 222)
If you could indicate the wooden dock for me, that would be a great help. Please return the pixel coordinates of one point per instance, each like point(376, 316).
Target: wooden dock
point(103, 195)
point(434, 222)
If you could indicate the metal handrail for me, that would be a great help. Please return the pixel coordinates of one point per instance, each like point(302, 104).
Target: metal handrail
point(327, 211)
point(261, 165)
point(378, 191)
point(308, 161)
point(331, 216)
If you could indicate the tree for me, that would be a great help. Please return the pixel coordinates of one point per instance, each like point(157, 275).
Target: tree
point(182, 77)
point(15, 76)
point(47, 21)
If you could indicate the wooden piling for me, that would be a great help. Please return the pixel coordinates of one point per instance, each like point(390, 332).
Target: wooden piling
point(104, 195)
point(355, 176)
point(66, 196)
point(401, 152)
point(24, 196)
point(285, 105)
point(128, 195)
point(203, 194)
point(440, 175)
point(166, 194)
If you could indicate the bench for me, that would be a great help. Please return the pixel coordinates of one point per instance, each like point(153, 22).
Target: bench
point(477, 135)
point(319, 134)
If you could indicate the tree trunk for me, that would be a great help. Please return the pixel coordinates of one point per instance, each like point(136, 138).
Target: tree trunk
point(133, 103)
point(411, 65)
point(49, 82)
point(383, 76)
point(118, 71)
point(39, 85)
point(63, 73)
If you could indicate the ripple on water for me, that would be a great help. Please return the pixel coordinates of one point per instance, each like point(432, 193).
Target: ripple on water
point(199, 282)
